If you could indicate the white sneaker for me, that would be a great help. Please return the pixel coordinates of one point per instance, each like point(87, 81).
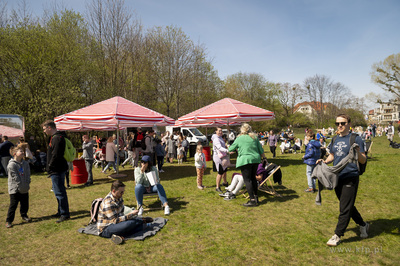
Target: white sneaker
point(334, 241)
point(166, 210)
point(364, 230)
point(161, 171)
point(140, 213)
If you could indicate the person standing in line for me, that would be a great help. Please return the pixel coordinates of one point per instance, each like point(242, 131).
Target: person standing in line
point(87, 147)
point(56, 168)
point(272, 143)
point(249, 157)
point(346, 189)
point(19, 178)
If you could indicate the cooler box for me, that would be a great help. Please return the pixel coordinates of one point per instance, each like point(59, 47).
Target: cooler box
point(207, 153)
point(79, 175)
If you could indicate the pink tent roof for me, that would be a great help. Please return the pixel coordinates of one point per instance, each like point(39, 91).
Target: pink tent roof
point(217, 123)
point(107, 114)
point(11, 132)
point(228, 109)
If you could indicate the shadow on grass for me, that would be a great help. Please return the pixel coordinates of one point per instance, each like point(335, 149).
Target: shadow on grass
point(287, 194)
point(74, 216)
point(285, 161)
point(174, 203)
point(378, 227)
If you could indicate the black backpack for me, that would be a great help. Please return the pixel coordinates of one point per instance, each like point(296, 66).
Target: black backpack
point(94, 210)
point(361, 166)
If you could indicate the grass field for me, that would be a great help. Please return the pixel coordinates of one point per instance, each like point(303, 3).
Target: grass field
point(203, 229)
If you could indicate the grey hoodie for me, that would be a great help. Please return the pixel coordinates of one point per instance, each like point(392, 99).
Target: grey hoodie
point(19, 177)
point(328, 176)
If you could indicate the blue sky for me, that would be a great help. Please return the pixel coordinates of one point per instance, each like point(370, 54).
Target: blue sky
point(285, 41)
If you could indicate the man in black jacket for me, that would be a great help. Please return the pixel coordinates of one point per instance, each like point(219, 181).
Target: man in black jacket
point(56, 168)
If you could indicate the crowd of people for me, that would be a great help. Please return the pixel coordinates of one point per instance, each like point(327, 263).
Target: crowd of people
point(152, 152)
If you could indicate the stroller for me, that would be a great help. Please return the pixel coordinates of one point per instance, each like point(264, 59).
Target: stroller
point(97, 158)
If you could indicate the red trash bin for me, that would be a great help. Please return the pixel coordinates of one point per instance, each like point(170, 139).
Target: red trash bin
point(79, 175)
point(207, 153)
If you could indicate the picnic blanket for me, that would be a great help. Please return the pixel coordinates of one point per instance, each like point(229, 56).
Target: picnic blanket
point(147, 231)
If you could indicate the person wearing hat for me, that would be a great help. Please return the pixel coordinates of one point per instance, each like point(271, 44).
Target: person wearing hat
point(143, 184)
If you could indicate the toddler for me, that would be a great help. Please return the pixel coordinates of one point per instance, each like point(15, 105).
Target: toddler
point(179, 153)
point(200, 163)
point(313, 153)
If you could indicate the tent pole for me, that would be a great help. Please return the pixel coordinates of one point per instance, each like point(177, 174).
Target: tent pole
point(117, 148)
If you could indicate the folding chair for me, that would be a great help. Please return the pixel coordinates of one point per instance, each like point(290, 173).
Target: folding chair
point(263, 186)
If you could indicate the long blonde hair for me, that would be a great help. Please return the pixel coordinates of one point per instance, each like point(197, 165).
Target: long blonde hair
point(245, 129)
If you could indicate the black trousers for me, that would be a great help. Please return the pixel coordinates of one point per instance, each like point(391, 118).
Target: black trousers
point(346, 192)
point(249, 176)
point(273, 149)
point(14, 199)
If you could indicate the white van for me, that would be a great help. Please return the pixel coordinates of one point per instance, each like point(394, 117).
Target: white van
point(193, 135)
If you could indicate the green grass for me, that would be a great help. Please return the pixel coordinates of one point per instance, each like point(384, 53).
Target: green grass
point(203, 229)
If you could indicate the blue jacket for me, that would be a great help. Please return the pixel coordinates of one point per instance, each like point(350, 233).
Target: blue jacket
point(313, 152)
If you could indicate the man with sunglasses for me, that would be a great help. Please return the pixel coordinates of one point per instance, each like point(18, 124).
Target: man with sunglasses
point(346, 189)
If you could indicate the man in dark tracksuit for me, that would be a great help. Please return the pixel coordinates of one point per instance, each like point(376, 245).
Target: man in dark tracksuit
point(56, 168)
point(346, 189)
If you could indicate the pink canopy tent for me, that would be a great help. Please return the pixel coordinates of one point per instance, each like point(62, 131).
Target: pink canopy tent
point(217, 123)
point(11, 132)
point(228, 110)
point(112, 114)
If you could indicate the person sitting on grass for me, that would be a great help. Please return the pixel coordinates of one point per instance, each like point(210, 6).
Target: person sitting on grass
point(112, 222)
point(143, 184)
point(285, 146)
point(19, 178)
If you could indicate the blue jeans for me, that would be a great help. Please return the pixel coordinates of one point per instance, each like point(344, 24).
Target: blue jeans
point(108, 165)
point(140, 189)
point(58, 180)
point(124, 229)
point(309, 170)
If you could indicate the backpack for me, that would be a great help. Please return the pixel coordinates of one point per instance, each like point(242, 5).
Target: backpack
point(70, 151)
point(94, 210)
point(361, 167)
point(143, 143)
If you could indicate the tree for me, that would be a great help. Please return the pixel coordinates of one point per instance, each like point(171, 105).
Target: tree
point(289, 95)
point(387, 74)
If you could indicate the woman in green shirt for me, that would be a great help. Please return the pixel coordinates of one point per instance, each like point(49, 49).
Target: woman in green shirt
point(250, 153)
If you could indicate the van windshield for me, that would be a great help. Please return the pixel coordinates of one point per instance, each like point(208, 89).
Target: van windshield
point(196, 132)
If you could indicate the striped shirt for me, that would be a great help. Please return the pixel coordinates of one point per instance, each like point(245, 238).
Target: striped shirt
point(111, 211)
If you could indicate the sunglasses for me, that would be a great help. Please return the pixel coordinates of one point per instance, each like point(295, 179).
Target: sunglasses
point(340, 123)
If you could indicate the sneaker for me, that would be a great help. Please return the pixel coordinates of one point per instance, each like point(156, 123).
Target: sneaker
point(62, 219)
point(87, 184)
point(68, 186)
point(309, 190)
point(230, 197)
point(334, 241)
point(225, 184)
point(117, 240)
point(122, 165)
point(26, 219)
point(364, 230)
point(161, 171)
point(166, 210)
point(8, 225)
point(226, 194)
point(251, 203)
point(200, 187)
point(140, 213)
point(218, 190)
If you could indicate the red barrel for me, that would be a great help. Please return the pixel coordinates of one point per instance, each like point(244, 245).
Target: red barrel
point(207, 153)
point(79, 175)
